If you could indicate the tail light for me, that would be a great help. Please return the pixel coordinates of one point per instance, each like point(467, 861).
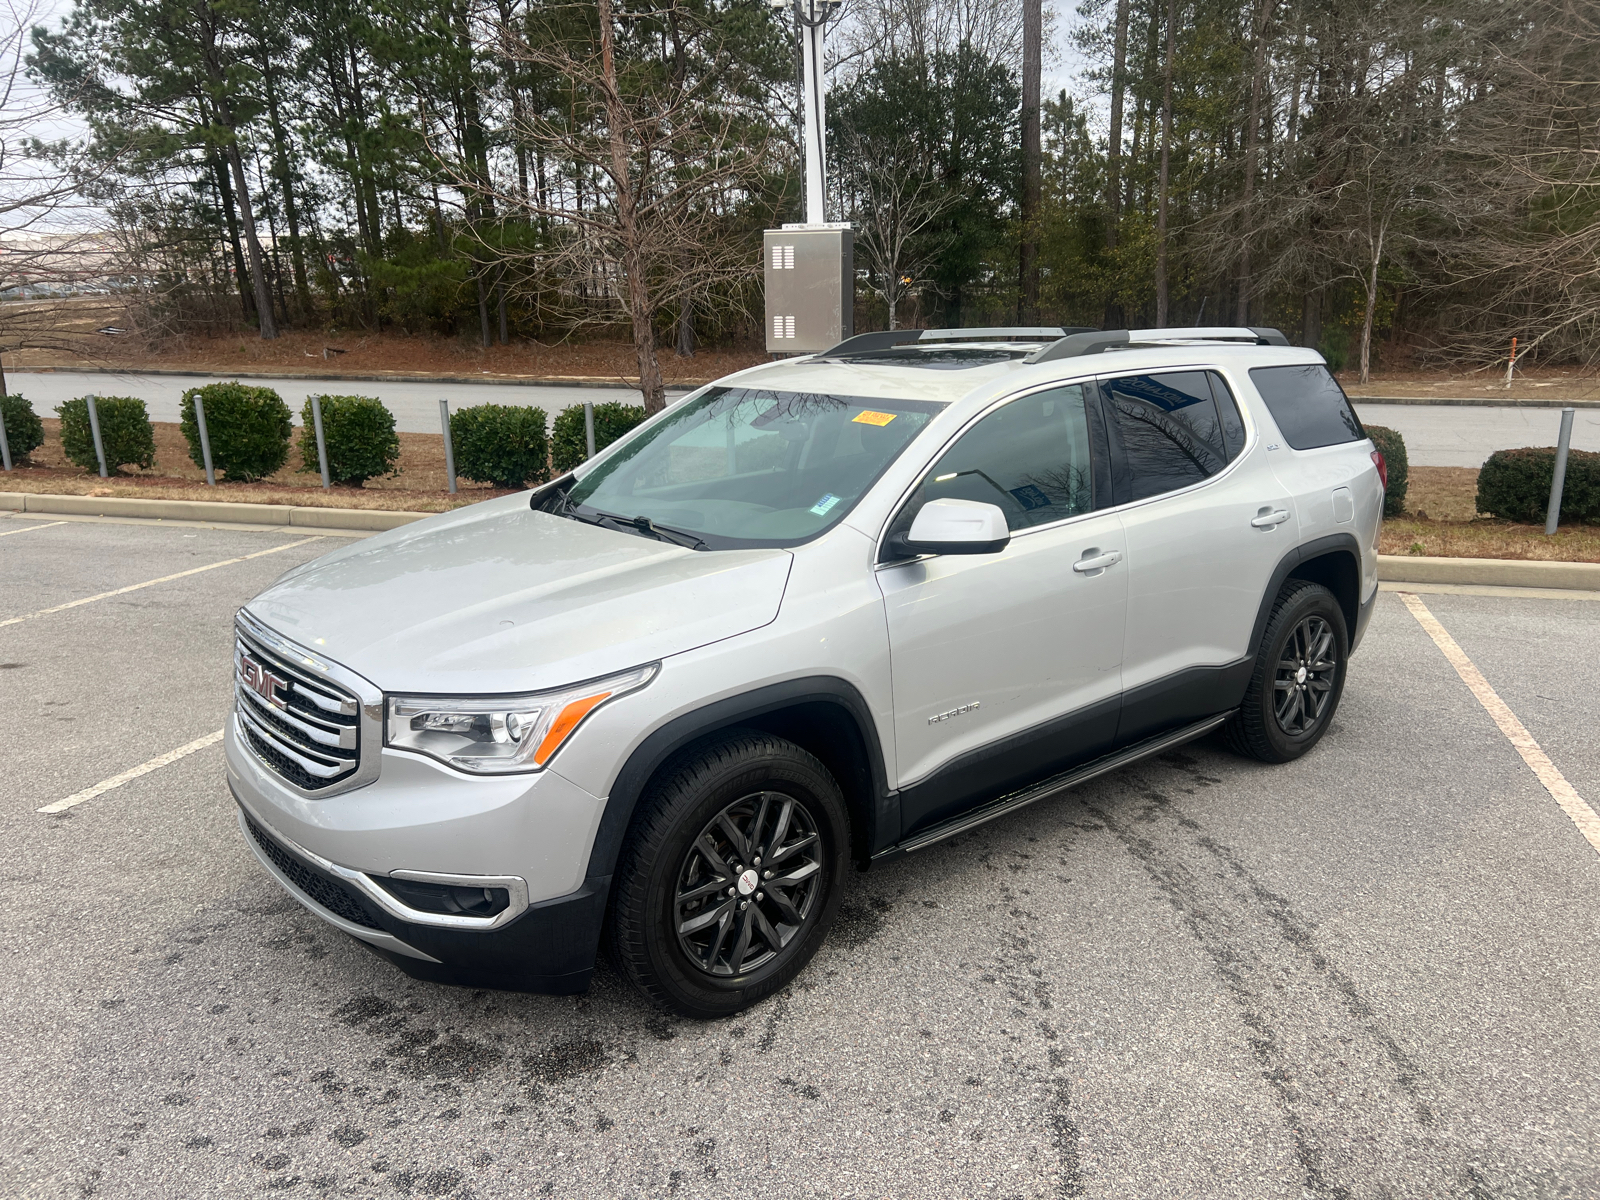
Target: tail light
point(1383, 468)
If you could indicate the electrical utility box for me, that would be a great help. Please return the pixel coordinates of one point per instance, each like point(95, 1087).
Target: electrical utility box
point(811, 285)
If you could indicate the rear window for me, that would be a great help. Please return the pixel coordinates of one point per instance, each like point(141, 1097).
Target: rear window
point(1308, 404)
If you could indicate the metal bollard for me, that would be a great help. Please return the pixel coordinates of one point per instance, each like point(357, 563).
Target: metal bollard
point(94, 428)
point(588, 425)
point(205, 441)
point(449, 449)
point(322, 445)
point(5, 444)
point(1558, 480)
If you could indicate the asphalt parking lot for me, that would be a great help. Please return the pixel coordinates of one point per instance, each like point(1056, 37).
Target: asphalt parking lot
point(1371, 973)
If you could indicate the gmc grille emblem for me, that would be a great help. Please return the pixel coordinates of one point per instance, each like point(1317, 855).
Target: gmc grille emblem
point(261, 681)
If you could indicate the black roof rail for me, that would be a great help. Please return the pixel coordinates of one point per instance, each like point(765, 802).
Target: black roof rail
point(882, 340)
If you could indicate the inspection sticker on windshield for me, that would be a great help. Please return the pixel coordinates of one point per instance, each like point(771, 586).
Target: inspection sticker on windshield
point(822, 506)
point(873, 418)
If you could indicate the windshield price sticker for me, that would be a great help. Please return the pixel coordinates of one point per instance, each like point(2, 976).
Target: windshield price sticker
point(873, 418)
point(821, 507)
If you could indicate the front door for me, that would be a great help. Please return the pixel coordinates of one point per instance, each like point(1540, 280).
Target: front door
point(1007, 666)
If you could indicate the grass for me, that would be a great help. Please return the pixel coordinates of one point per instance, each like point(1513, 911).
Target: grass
point(1442, 520)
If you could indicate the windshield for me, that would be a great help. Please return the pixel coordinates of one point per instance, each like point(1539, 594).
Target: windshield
point(739, 467)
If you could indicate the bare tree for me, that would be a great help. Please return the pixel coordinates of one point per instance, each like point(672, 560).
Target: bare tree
point(894, 200)
point(665, 157)
point(49, 250)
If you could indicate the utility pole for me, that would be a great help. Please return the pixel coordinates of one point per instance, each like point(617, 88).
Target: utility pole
point(811, 18)
point(1032, 153)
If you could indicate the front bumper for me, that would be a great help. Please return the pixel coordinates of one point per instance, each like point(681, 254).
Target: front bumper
point(529, 835)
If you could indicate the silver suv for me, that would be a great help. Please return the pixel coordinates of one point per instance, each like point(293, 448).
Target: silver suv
point(824, 611)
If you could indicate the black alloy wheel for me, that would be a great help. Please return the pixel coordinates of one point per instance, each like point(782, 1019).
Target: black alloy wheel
point(730, 876)
point(1297, 678)
point(1305, 677)
point(747, 884)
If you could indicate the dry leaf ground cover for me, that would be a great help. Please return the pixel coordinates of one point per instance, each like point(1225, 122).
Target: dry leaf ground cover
point(1441, 519)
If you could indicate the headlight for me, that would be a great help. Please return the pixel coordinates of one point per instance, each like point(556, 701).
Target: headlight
point(497, 735)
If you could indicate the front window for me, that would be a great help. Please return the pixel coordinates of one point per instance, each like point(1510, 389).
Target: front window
point(742, 467)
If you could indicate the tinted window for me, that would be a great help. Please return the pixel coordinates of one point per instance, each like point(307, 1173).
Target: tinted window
point(1308, 404)
point(1171, 435)
point(1030, 457)
point(1232, 422)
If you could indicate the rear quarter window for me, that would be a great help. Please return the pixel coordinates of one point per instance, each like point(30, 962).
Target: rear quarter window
point(1308, 404)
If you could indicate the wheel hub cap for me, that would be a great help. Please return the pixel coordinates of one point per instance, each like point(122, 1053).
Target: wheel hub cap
point(748, 881)
point(1300, 675)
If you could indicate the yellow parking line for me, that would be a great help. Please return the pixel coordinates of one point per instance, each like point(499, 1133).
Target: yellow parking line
point(134, 587)
point(1538, 761)
point(128, 776)
point(26, 528)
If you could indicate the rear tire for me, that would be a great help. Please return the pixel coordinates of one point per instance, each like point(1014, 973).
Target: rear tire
point(730, 878)
point(1298, 678)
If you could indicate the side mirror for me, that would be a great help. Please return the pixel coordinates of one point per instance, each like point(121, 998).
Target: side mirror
point(956, 527)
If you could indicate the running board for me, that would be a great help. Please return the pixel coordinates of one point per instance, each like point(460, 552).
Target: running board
point(1055, 785)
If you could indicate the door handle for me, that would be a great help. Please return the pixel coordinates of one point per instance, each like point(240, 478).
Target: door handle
point(1268, 519)
point(1099, 562)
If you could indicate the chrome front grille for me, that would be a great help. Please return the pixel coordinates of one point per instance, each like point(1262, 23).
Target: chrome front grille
point(304, 726)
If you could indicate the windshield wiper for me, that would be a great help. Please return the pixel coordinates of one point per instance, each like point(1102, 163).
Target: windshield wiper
point(646, 527)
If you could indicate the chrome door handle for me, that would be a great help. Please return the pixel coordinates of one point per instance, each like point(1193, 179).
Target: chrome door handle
point(1099, 562)
point(1268, 519)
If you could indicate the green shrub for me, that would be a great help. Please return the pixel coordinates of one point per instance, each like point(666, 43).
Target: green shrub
point(125, 433)
point(359, 434)
point(502, 444)
point(1393, 448)
point(249, 429)
point(569, 446)
point(24, 430)
point(1515, 485)
point(1335, 347)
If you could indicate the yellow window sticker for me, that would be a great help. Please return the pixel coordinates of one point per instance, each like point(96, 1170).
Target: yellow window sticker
point(873, 418)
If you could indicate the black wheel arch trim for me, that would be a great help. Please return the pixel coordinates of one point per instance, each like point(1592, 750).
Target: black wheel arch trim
point(1333, 543)
point(747, 708)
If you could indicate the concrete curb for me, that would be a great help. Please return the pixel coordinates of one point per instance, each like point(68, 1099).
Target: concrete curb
point(581, 381)
point(1489, 572)
point(1473, 402)
point(217, 511)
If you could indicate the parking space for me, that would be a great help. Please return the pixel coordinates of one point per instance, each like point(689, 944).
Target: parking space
point(1368, 973)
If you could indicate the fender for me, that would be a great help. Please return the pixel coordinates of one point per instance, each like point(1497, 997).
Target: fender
point(882, 809)
point(1316, 548)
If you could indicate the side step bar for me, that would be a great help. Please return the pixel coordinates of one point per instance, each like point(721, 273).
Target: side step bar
point(1053, 786)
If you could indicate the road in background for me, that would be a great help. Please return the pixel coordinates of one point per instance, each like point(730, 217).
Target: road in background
point(1463, 435)
point(415, 405)
point(1368, 973)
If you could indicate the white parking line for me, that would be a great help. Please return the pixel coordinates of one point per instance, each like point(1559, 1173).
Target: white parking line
point(1538, 761)
point(27, 528)
point(134, 587)
point(116, 781)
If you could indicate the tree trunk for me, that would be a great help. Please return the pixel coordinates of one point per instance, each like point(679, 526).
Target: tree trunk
point(641, 305)
point(505, 324)
point(1311, 318)
point(686, 345)
point(1119, 79)
point(280, 164)
point(1252, 141)
point(247, 218)
point(1372, 303)
point(1166, 160)
point(1032, 186)
point(483, 305)
point(240, 270)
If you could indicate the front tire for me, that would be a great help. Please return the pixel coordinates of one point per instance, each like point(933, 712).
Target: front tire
point(1298, 678)
point(730, 877)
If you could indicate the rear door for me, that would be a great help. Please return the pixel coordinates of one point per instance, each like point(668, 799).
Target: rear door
point(1207, 521)
point(1006, 666)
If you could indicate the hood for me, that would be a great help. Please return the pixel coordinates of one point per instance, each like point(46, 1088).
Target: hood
point(498, 598)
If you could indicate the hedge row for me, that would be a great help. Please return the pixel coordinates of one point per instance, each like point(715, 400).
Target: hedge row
point(1515, 485)
point(249, 429)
